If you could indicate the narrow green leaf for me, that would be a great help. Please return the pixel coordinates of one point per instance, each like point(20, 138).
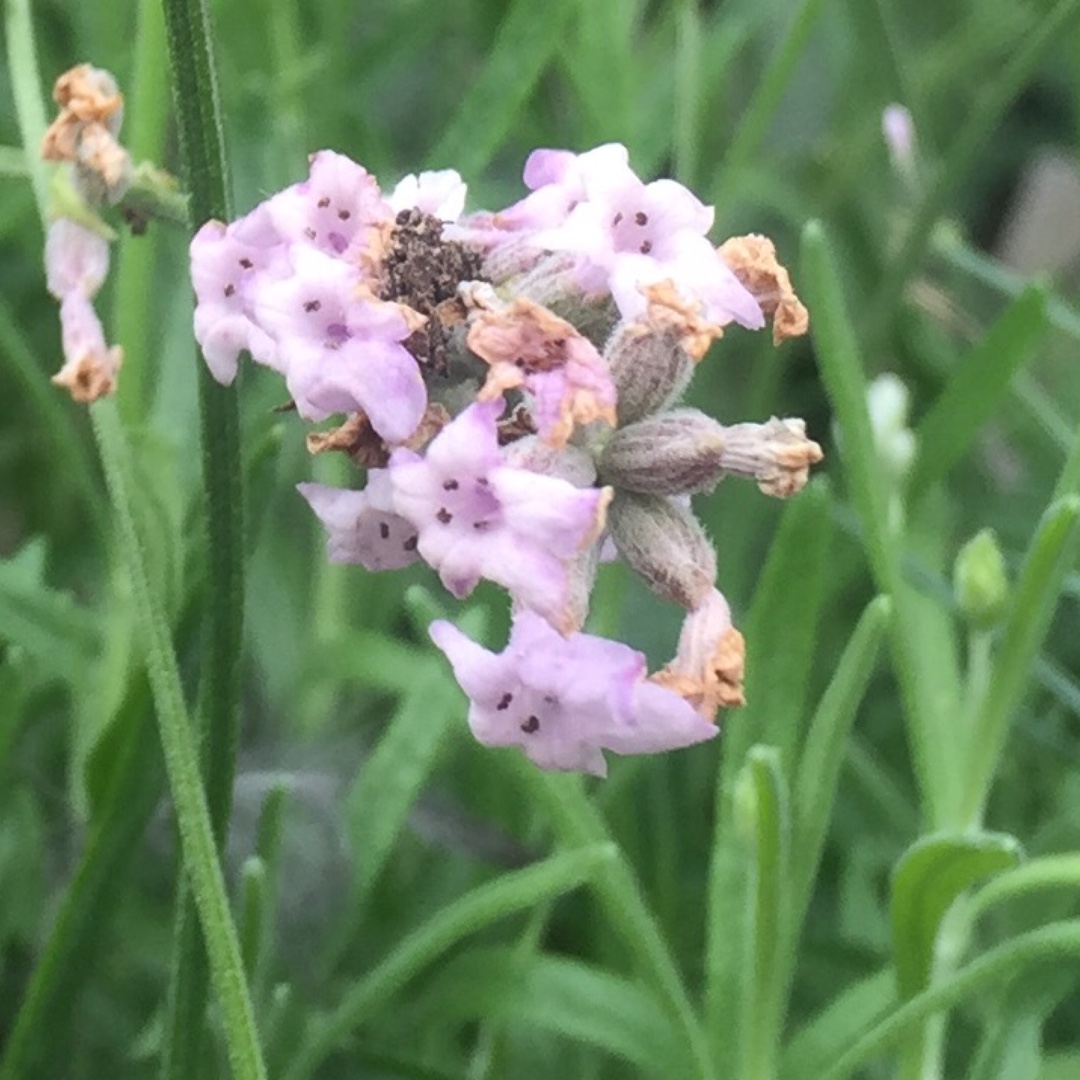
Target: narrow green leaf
point(38, 1036)
point(1010, 1049)
point(561, 996)
point(950, 245)
point(762, 815)
point(976, 388)
point(838, 359)
point(527, 40)
point(390, 781)
point(517, 891)
point(393, 776)
point(252, 921)
point(26, 87)
point(931, 734)
point(578, 823)
point(825, 749)
point(782, 627)
point(769, 92)
point(62, 637)
point(1050, 556)
point(1039, 875)
point(827, 1034)
point(930, 875)
point(1049, 945)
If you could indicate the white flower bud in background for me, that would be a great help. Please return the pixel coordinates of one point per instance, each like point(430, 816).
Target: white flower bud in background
point(888, 402)
point(898, 129)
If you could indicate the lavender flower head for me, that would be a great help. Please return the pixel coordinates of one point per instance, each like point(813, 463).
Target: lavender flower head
point(508, 380)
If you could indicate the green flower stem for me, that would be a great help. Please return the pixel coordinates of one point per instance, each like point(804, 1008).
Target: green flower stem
point(202, 151)
point(26, 87)
point(934, 740)
point(1048, 945)
point(181, 761)
point(147, 106)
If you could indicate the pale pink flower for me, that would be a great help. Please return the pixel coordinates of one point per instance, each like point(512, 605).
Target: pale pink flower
point(564, 700)
point(478, 517)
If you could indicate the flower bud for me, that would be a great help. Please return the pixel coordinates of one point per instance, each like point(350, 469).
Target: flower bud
point(552, 283)
point(898, 130)
point(888, 402)
point(671, 453)
point(569, 463)
point(662, 541)
point(707, 671)
point(980, 583)
point(777, 454)
point(650, 368)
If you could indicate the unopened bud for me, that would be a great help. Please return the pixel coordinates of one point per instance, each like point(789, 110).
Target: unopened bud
point(662, 541)
point(552, 283)
point(671, 453)
point(85, 133)
point(777, 454)
point(708, 668)
point(980, 583)
point(650, 368)
point(898, 129)
point(569, 463)
point(888, 401)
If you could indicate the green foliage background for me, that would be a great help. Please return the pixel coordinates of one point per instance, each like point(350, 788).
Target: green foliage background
point(892, 825)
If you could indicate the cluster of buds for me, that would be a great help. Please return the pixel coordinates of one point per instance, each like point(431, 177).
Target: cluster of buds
point(510, 383)
point(83, 137)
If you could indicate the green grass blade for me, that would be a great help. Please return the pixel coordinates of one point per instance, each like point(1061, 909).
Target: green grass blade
point(782, 632)
point(825, 748)
point(517, 891)
point(525, 44)
point(929, 876)
point(763, 817)
point(39, 1032)
point(759, 114)
point(577, 823)
point(393, 776)
point(932, 736)
point(1038, 875)
point(975, 389)
point(565, 997)
point(828, 1033)
point(1050, 945)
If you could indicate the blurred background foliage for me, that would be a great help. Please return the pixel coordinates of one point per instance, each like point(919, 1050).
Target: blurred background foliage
point(363, 808)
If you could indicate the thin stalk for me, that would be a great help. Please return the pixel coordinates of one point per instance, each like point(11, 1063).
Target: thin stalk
point(147, 105)
point(181, 761)
point(26, 87)
point(198, 117)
